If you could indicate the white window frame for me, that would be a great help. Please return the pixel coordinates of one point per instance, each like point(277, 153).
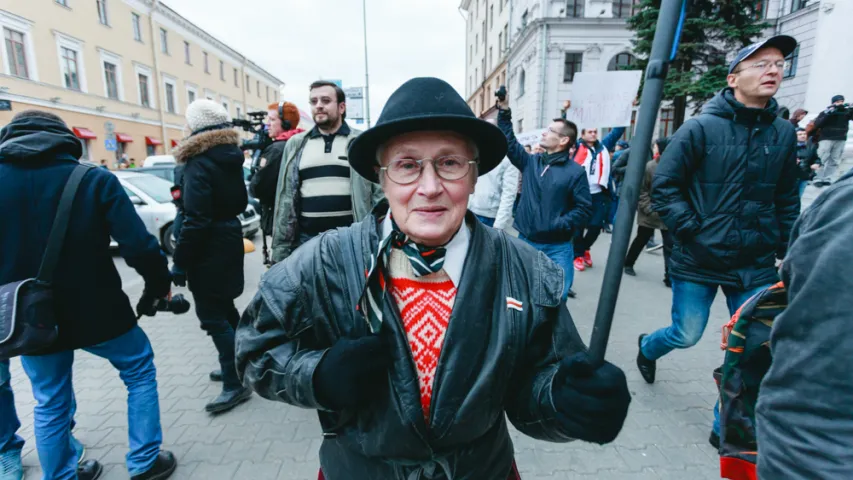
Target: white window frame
point(71, 43)
point(225, 103)
point(209, 94)
point(169, 80)
point(136, 26)
point(238, 110)
point(115, 60)
point(139, 69)
point(106, 21)
point(194, 90)
point(24, 26)
point(163, 35)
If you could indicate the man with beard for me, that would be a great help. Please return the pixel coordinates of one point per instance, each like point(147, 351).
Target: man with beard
point(282, 118)
point(317, 190)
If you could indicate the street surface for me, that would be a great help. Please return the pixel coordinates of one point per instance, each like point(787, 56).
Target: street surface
point(665, 435)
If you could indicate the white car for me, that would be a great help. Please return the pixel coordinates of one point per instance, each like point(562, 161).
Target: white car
point(154, 160)
point(152, 198)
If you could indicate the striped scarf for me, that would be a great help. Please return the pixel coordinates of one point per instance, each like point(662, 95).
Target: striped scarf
point(424, 261)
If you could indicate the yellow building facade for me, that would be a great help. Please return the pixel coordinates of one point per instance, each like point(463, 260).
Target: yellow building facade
point(126, 67)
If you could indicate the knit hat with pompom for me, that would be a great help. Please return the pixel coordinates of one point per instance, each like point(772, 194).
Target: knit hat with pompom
point(204, 113)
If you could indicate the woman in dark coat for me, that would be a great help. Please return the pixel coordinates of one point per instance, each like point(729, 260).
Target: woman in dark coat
point(647, 219)
point(210, 242)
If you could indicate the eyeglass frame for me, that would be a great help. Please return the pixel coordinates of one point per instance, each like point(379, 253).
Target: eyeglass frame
point(432, 161)
point(755, 65)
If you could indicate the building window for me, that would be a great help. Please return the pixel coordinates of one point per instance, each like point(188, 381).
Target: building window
point(239, 111)
point(187, 57)
point(798, 5)
point(236, 78)
point(171, 104)
point(275, 96)
point(506, 37)
point(248, 88)
point(225, 105)
point(64, 3)
point(268, 93)
point(574, 8)
point(70, 73)
point(759, 9)
point(500, 41)
point(476, 74)
point(258, 88)
point(520, 125)
point(492, 16)
point(16, 52)
point(477, 43)
point(470, 53)
point(667, 116)
point(137, 28)
point(573, 65)
point(222, 70)
point(522, 80)
point(102, 12)
point(206, 63)
point(490, 58)
point(111, 80)
point(622, 61)
point(190, 96)
point(623, 8)
point(524, 19)
point(790, 70)
point(164, 41)
point(144, 97)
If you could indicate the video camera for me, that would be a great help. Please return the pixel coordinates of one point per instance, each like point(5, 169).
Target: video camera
point(261, 139)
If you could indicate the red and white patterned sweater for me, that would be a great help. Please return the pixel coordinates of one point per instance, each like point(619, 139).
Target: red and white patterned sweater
point(425, 304)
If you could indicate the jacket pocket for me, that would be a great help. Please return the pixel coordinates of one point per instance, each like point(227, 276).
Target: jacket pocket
point(715, 246)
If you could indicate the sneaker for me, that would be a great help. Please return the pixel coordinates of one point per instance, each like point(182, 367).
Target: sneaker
point(162, 469)
point(11, 467)
point(89, 470)
point(714, 440)
point(653, 247)
point(647, 367)
point(587, 259)
point(228, 399)
point(630, 271)
point(579, 265)
point(607, 229)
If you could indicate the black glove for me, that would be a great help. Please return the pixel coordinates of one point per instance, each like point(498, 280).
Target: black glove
point(147, 304)
point(352, 372)
point(591, 403)
point(179, 276)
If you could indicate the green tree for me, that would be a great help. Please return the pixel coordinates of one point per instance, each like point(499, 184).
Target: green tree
point(712, 29)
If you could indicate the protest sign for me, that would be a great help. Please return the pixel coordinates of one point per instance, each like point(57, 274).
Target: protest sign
point(603, 99)
point(530, 137)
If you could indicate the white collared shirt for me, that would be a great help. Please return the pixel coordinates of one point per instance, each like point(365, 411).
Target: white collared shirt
point(457, 250)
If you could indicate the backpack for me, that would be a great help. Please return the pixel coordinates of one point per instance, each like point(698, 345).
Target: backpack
point(746, 341)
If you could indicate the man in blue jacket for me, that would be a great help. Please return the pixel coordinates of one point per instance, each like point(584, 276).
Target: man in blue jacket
point(38, 152)
point(555, 201)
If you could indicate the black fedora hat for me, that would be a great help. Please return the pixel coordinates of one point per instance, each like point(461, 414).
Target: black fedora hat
point(426, 104)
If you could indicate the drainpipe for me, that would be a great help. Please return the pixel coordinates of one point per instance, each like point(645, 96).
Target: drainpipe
point(158, 84)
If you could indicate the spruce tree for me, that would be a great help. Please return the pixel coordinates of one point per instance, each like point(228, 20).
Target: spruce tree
point(712, 29)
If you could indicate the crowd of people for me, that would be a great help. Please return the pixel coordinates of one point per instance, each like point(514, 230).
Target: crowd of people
point(397, 306)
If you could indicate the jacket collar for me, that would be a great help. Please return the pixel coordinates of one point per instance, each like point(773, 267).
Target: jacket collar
point(725, 105)
point(202, 142)
point(344, 131)
point(554, 158)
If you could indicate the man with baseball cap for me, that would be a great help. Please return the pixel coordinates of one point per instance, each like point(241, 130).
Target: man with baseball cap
point(417, 332)
point(833, 123)
point(726, 187)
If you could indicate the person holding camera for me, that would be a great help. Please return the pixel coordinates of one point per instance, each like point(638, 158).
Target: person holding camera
point(38, 153)
point(833, 123)
point(210, 243)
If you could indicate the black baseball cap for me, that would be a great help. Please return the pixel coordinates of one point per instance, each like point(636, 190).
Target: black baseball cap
point(786, 44)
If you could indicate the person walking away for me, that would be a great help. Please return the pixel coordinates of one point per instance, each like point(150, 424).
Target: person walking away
point(834, 123)
point(726, 188)
point(804, 413)
point(648, 220)
point(555, 200)
point(316, 189)
point(594, 157)
point(38, 152)
point(210, 244)
point(494, 196)
point(807, 161)
point(283, 121)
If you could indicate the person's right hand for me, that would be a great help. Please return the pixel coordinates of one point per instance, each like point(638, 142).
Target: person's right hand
point(503, 105)
point(352, 372)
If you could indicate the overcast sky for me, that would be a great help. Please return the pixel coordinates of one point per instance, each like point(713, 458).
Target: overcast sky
point(300, 41)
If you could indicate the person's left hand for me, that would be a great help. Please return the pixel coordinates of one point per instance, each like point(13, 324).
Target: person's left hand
point(591, 402)
point(815, 167)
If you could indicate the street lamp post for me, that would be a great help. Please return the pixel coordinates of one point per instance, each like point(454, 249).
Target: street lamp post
point(366, 75)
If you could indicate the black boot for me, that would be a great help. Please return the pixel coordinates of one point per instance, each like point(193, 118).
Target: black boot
point(89, 470)
point(162, 469)
point(630, 271)
point(228, 399)
point(216, 376)
point(647, 367)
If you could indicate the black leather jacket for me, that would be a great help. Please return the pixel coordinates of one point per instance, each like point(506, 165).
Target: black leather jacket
point(495, 360)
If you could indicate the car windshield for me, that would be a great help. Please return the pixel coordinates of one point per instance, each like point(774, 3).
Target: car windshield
point(154, 187)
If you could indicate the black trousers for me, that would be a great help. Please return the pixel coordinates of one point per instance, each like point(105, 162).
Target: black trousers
point(219, 318)
point(644, 234)
point(586, 237)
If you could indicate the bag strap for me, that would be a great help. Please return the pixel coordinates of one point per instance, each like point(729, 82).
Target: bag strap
point(60, 224)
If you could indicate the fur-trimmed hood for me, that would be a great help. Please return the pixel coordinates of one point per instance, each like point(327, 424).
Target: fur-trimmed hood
point(202, 142)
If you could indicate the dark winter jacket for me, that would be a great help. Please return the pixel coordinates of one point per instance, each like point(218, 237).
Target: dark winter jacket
point(210, 244)
point(726, 186)
point(37, 156)
point(620, 165)
point(834, 122)
point(495, 360)
point(555, 199)
point(264, 183)
point(806, 157)
point(646, 216)
point(804, 415)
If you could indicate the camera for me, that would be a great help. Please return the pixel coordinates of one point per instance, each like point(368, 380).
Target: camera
point(501, 93)
point(177, 305)
point(259, 141)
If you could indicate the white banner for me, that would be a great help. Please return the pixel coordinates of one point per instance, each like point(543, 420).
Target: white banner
point(603, 99)
point(355, 103)
point(530, 137)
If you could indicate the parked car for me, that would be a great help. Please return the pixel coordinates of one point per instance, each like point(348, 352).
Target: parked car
point(167, 172)
point(154, 160)
point(153, 201)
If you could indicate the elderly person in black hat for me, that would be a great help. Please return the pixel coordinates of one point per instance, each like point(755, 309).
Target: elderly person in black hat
point(414, 331)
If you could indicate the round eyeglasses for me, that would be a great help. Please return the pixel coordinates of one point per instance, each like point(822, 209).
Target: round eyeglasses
point(405, 171)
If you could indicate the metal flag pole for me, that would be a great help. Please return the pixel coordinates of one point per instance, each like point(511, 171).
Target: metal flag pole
point(669, 22)
point(366, 76)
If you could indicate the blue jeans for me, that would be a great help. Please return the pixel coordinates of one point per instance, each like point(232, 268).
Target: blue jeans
point(802, 187)
point(132, 356)
point(489, 222)
point(563, 255)
point(9, 424)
